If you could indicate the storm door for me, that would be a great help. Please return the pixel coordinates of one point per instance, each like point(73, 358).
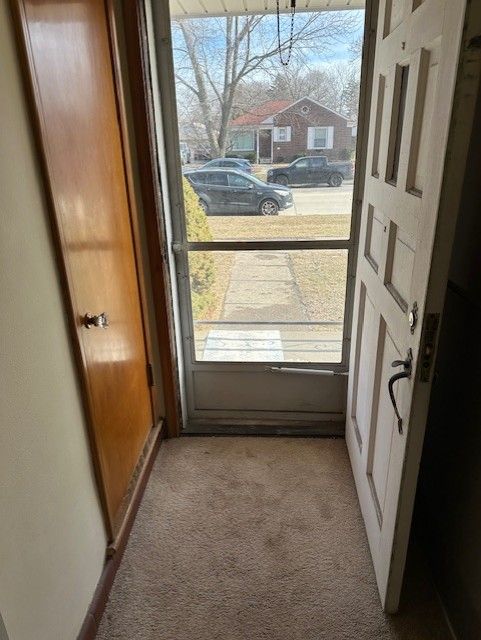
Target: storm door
point(263, 249)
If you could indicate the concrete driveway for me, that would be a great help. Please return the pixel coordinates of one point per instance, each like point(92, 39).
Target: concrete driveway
point(322, 200)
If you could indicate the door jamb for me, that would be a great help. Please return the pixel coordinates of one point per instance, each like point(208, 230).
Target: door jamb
point(137, 56)
point(134, 209)
point(365, 96)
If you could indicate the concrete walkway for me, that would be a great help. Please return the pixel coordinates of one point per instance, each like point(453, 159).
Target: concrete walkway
point(264, 316)
point(262, 287)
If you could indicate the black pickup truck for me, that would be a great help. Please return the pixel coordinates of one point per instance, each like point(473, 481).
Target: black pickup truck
point(312, 170)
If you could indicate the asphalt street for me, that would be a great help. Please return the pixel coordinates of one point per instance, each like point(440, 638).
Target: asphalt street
point(322, 200)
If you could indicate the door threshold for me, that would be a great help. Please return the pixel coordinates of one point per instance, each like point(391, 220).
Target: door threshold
point(320, 430)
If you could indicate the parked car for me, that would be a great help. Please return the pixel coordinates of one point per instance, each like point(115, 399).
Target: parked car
point(312, 170)
point(228, 191)
point(185, 153)
point(229, 163)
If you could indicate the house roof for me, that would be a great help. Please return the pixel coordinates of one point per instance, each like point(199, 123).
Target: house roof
point(260, 114)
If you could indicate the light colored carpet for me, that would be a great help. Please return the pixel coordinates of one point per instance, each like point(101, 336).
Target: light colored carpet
point(256, 539)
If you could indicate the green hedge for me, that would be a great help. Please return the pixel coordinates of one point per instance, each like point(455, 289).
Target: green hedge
point(201, 264)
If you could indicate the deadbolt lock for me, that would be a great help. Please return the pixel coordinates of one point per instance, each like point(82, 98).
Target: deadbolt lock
point(413, 316)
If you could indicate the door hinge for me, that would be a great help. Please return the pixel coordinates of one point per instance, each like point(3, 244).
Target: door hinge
point(150, 375)
point(428, 345)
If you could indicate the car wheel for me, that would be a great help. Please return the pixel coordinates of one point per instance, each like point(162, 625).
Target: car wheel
point(204, 206)
point(335, 180)
point(269, 207)
point(282, 180)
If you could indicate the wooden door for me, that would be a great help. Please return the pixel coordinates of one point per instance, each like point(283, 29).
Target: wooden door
point(417, 47)
point(70, 63)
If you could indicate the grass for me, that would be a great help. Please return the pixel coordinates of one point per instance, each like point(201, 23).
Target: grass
point(223, 261)
point(279, 227)
point(321, 279)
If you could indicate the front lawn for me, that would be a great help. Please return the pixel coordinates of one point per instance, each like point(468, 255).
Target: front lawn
point(279, 227)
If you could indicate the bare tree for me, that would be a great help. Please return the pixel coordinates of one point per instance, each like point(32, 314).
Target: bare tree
point(214, 57)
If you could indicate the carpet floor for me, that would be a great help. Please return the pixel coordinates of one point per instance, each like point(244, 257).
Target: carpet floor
point(257, 539)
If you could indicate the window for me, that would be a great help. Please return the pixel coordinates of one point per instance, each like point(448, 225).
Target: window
point(219, 179)
point(282, 134)
point(319, 162)
point(243, 140)
point(320, 137)
point(198, 178)
point(302, 164)
point(239, 181)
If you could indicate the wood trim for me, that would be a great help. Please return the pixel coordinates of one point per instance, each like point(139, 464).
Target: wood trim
point(144, 129)
point(131, 194)
point(116, 550)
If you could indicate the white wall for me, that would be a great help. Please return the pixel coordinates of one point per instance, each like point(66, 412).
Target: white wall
point(52, 537)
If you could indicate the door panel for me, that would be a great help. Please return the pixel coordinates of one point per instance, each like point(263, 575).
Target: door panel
point(69, 56)
point(299, 172)
point(242, 199)
point(235, 390)
point(414, 78)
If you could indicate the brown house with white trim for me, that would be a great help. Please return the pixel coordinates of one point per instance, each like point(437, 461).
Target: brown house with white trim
point(281, 130)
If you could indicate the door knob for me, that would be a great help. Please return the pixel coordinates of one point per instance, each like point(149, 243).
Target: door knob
point(100, 321)
point(408, 367)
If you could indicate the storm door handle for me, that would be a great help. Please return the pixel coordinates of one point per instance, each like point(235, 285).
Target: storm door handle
point(408, 366)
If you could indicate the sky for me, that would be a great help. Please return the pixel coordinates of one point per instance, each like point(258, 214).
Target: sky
point(338, 52)
point(212, 43)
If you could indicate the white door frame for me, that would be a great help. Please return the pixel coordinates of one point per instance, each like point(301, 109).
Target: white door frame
point(327, 423)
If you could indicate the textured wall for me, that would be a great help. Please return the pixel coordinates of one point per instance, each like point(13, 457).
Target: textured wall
point(52, 539)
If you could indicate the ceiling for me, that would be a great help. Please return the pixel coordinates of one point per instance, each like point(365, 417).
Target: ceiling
point(205, 8)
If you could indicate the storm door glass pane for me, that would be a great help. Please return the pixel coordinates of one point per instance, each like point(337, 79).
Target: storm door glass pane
point(268, 306)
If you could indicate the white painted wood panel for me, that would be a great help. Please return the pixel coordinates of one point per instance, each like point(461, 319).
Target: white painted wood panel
point(415, 69)
point(361, 413)
point(376, 230)
point(383, 431)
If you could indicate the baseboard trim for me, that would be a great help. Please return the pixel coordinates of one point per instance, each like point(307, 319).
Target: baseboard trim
point(115, 551)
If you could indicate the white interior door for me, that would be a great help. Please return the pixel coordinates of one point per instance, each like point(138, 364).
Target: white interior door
point(416, 61)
